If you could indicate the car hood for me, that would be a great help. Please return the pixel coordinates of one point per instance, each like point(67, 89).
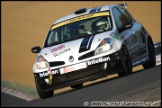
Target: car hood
point(69, 52)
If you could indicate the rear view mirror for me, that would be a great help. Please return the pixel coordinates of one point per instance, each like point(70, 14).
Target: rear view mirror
point(36, 49)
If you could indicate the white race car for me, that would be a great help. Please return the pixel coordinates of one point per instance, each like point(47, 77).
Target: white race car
point(89, 44)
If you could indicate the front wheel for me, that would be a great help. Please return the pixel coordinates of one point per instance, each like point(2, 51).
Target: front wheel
point(126, 62)
point(42, 94)
point(151, 50)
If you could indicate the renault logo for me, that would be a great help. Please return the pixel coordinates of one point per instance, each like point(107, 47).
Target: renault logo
point(71, 58)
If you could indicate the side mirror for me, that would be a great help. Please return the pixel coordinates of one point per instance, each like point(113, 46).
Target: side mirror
point(36, 49)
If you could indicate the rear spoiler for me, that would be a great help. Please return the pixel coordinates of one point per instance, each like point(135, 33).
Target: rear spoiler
point(123, 4)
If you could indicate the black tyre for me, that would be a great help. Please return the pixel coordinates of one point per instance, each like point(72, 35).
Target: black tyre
point(42, 94)
point(126, 62)
point(152, 58)
point(77, 86)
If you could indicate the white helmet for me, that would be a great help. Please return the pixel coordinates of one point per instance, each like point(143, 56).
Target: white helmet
point(102, 25)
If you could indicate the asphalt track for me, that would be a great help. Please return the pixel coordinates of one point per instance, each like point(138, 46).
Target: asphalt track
point(9, 100)
point(143, 85)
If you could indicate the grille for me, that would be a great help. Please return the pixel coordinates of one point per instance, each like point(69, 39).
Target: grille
point(58, 63)
point(78, 74)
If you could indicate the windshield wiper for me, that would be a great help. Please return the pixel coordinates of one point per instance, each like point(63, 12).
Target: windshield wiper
point(83, 35)
point(72, 38)
point(53, 43)
point(78, 36)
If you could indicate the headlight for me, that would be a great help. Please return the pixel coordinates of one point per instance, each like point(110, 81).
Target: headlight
point(42, 63)
point(104, 46)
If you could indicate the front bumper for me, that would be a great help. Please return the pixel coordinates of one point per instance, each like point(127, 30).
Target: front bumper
point(95, 69)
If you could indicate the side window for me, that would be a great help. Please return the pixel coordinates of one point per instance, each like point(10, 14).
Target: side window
point(53, 37)
point(65, 33)
point(126, 14)
point(118, 18)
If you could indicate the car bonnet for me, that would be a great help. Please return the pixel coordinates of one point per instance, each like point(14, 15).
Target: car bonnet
point(69, 52)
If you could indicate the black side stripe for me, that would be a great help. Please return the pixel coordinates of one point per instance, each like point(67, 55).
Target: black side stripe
point(86, 44)
point(99, 9)
point(90, 43)
point(93, 10)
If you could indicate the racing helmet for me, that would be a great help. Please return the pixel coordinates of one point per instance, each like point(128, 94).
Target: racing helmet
point(102, 25)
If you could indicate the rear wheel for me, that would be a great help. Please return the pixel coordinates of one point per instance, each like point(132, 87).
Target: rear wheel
point(152, 58)
point(77, 86)
point(42, 94)
point(126, 62)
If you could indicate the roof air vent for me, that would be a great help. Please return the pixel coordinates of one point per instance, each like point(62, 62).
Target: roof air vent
point(123, 4)
point(79, 11)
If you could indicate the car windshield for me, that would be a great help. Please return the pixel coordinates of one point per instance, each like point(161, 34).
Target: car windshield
point(85, 26)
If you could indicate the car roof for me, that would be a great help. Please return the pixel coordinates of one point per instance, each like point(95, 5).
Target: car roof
point(91, 10)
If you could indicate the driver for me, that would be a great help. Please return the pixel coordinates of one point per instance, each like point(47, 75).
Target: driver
point(101, 25)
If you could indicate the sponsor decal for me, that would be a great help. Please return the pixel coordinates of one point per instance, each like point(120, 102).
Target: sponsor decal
point(57, 48)
point(44, 74)
point(73, 68)
point(99, 60)
point(115, 37)
point(117, 56)
point(61, 52)
point(79, 18)
point(86, 44)
point(128, 26)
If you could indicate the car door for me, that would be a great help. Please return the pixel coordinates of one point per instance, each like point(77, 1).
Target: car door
point(138, 36)
point(126, 29)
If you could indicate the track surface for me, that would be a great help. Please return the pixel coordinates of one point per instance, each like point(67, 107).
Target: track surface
point(9, 100)
point(143, 85)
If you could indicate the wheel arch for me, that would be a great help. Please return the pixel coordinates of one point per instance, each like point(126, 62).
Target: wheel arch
point(148, 38)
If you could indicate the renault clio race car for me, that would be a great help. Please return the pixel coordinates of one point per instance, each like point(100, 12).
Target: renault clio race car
point(89, 44)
